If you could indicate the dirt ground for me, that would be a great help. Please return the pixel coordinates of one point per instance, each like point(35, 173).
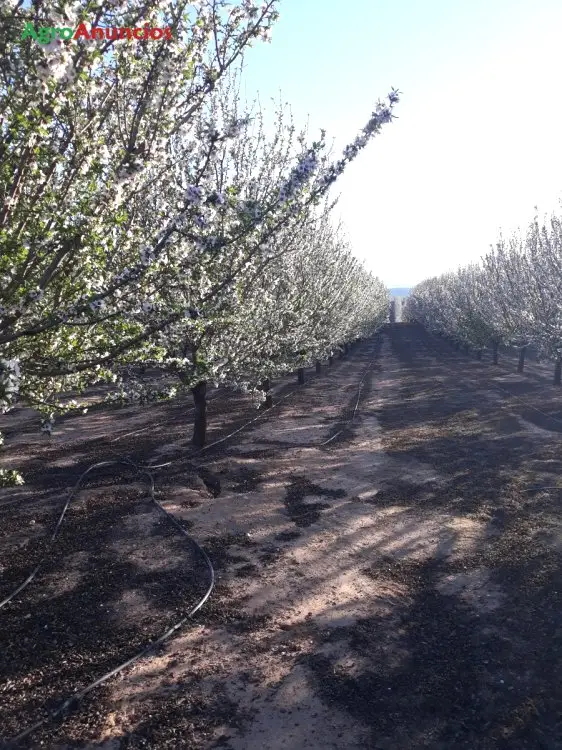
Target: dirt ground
point(387, 545)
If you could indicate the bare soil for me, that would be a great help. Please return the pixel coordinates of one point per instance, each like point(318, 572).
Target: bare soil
point(387, 544)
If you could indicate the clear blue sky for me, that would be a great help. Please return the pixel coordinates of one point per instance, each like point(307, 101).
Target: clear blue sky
point(478, 142)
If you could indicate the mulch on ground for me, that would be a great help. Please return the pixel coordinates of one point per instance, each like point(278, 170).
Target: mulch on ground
point(479, 678)
point(437, 672)
point(61, 633)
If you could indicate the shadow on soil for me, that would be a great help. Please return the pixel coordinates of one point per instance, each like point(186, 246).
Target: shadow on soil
point(441, 673)
point(432, 670)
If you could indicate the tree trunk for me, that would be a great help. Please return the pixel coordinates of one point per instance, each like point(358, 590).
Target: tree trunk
point(495, 351)
point(466, 348)
point(521, 363)
point(457, 345)
point(318, 367)
point(265, 386)
point(479, 354)
point(558, 371)
point(200, 424)
point(330, 361)
point(300, 374)
point(346, 349)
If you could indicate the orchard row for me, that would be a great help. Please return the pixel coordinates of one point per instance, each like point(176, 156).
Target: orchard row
point(512, 297)
point(150, 216)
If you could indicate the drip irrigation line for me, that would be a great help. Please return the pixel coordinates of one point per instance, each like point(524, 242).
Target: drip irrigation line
point(58, 525)
point(521, 401)
point(536, 375)
point(158, 424)
point(145, 470)
point(209, 400)
point(267, 412)
point(349, 421)
point(152, 426)
point(530, 406)
point(76, 697)
point(75, 489)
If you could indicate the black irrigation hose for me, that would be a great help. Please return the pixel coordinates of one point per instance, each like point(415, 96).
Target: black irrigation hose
point(528, 406)
point(157, 466)
point(524, 403)
point(209, 400)
point(78, 696)
point(278, 403)
point(349, 421)
point(158, 424)
point(344, 422)
point(268, 413)
point(540, 489)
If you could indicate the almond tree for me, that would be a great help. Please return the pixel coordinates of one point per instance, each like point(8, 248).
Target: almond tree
point(513, 296)
point(313, 299)
point(85, 128)
point(541, 283)
point(459, 306)
point(244, 203)
point(503, 274)
point(91, 134)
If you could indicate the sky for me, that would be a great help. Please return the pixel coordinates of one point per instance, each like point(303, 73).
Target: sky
point(477, 142)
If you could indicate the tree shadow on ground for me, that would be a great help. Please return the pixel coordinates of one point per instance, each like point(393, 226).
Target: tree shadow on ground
point(460, 682)
point(436, 662)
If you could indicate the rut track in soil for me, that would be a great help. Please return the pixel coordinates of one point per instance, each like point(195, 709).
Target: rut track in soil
point(479, 681)
point(469, 655)
point(457, 642)
point(32, 643)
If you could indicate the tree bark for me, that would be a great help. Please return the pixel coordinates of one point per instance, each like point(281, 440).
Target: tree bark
point(318, 367)
point(200, 423)
point(479, 354)
point(521, 363)
point(300, 374)
point(330, 361)
point(495, 351)
point(265, 386)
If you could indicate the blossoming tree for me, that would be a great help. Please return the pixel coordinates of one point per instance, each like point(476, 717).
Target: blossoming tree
point(512, 297)
point(92, 135)
point(245, 203)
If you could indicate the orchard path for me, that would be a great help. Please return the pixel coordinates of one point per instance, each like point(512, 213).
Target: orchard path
point(398, 587)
